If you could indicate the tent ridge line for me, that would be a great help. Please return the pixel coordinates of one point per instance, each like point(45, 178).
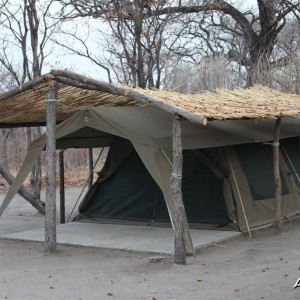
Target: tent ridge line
point(77, 80)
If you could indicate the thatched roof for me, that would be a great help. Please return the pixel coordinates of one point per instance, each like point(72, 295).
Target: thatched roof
point(26, 105)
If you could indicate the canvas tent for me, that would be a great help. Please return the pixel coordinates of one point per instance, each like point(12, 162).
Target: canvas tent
point(214, 157)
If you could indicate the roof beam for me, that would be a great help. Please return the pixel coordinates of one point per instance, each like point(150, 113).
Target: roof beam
point(26, 86)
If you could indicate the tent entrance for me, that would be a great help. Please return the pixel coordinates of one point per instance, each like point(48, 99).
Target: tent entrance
point(125, 192)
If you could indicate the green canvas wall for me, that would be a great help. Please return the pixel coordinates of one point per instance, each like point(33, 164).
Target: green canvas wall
point(132, 194)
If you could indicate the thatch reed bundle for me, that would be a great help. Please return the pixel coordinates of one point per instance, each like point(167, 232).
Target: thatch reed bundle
point(26, 105)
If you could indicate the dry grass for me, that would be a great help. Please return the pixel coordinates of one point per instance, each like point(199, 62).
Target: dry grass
point(256, 102)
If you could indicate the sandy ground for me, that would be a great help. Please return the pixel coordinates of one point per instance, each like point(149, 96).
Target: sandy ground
point(265, 266)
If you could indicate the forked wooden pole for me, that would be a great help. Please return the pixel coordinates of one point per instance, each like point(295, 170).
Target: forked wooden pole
point(176, 179)
point(277, 179)
point(50, 219)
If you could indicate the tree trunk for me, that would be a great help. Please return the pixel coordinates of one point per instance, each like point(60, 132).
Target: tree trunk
point(91, 165)
point(36, 172)
point(23, 192)
point(37, 169)
point(29, 140)
point(50, 220)
point(259, 69)
point(16, 162)
point(5, 148)
point(62, 187)
point(138, 28)
point(33, 184)
point(176, 178)
point(277, 180)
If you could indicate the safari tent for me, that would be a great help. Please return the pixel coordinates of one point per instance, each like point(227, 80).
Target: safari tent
point(227, 154)
point(227, 179)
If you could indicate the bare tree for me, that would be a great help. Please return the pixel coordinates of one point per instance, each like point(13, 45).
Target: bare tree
point(77, 41)
point(209, 74)
point(286, 57)
point(259, 30)
point(214, 70)
point(25, 31)
point(134, 44)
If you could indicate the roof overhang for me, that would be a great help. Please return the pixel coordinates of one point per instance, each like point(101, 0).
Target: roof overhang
point(26, 105)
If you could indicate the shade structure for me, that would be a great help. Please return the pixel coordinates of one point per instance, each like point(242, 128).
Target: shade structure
point(26, 106)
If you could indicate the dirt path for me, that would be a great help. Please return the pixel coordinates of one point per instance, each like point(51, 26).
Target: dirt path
point(263, 267)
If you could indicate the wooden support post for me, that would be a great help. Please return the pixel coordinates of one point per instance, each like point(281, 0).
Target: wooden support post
point(62, 187)
point(277, 179)
point(91, 168)
point(176, 178)
point(50, 219)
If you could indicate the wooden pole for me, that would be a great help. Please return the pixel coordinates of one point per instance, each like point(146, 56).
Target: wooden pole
point(62, 187)
point(91, 167)
point(176, 178)
point(50, 219)
point(25, 87)
point(277, 179)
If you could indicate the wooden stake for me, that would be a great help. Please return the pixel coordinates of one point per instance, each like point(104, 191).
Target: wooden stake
point(176, 178)
point(62, 187)
point(277, 179)
point(50, 220)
